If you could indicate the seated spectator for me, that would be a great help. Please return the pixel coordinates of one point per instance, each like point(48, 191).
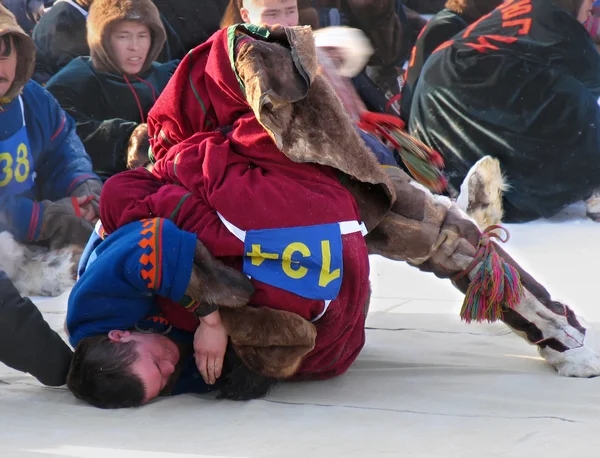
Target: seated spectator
point(391, 29)
point(110, 93)
point(27, 12)
point(27, 342)
point(48, 193)
point(524, 91)
point(454, 18)
point(60, 36)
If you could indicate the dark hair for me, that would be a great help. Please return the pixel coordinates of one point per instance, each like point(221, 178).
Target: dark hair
point(239, 383)
point(101, 374)
point(6, 45)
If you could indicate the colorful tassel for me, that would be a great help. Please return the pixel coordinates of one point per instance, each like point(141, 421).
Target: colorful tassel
point(496, 285)
point(423, 163)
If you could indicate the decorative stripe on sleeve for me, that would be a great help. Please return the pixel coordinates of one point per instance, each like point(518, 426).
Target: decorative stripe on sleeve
point(151, 259)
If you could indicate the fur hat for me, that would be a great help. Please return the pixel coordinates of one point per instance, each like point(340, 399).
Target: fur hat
point(104, 13)
point(355, 47)
point(25, 53)
point(473, 9)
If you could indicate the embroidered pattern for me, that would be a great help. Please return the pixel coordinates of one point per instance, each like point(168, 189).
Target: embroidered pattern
point(158, 319)
point(151, 259)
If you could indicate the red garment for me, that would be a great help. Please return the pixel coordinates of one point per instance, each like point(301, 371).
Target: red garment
point(239, 172)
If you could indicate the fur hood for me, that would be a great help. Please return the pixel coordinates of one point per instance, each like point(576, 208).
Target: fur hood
point(104, 13)
point(472, 9)
point(25, 53)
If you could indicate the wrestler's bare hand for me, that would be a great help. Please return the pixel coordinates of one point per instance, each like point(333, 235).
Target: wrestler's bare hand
point(210, 343)
point(87, 209)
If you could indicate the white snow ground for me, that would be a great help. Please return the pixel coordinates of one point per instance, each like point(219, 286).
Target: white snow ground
point(426, 385)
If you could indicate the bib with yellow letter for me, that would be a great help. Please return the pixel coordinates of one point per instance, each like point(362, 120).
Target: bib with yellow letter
point(306, 261)
point(16, 163)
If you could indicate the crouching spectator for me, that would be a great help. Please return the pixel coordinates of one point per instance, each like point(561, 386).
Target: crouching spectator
point(48, 193)
point(110, 93)
point(489, 91)
point(453, 19)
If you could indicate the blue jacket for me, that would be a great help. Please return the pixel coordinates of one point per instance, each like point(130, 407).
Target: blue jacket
point(60, 162)
point(119, 279)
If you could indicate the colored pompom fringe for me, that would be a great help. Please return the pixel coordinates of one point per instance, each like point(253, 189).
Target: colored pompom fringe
point(423, 163)
point(496, 284)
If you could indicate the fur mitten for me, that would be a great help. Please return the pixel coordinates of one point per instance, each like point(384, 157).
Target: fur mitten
point(61, 226)
point(89, 188)
point(213, 282)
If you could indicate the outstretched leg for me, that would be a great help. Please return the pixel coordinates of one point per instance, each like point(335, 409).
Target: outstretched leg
point(432, 233)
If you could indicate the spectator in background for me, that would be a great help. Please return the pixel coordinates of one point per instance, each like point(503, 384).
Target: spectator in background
point(27, 12)
point(110, 93)
point(454, 18)
point(60, 36)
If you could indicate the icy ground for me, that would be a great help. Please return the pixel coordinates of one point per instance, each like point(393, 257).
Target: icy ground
point(426, 385)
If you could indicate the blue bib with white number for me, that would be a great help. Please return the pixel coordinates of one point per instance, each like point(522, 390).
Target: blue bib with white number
point(306, 261)
point(16, 163)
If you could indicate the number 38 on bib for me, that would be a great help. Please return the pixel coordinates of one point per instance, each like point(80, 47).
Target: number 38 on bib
point(16, 163)
point(15, 171)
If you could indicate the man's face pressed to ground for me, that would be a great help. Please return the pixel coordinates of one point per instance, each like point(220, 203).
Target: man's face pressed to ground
point(157, 358)
point(270, 12)
point(8, 63)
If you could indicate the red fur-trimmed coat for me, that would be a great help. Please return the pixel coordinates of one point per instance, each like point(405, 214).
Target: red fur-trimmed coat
point(213, 155)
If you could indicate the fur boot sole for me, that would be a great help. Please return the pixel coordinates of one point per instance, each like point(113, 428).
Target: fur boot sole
point(481, 193)
point(593, 206)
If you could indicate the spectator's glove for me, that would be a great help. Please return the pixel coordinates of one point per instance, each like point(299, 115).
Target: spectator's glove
point(137, 149)
point(62, 223)
point(92, 190)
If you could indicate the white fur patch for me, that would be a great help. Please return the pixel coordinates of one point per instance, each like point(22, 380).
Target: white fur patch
point(580, 362)
point(481, 192)
point(12, 254)
point(36, 271)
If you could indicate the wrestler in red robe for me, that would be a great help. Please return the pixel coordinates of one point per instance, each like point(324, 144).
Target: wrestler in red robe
point(219, 174)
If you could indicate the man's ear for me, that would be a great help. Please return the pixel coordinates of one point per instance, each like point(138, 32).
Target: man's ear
point(119, 336)
point(245, 15)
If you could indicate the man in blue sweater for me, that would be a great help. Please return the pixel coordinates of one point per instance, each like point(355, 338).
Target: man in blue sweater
point(113, 316)
point(48, 193)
